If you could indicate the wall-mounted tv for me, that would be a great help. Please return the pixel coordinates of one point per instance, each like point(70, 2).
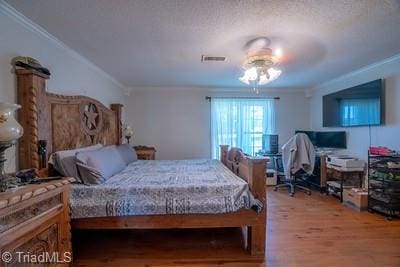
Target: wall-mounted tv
point(361, 105)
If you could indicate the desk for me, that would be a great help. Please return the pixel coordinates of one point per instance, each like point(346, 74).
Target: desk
point(273, 172)
point(272, 156)
point(319, 175)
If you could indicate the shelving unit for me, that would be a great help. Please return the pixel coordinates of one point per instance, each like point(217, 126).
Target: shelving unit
point(384, 184)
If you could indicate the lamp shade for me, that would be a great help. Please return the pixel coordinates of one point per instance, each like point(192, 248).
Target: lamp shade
point(128, 131)
point(10, 129)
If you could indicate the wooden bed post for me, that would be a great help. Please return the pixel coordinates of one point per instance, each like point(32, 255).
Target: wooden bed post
point(224, 153)
point(118, 110)
point(257, 183)
point(31, 87)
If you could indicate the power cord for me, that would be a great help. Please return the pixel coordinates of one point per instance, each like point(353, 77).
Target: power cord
point(369, 135)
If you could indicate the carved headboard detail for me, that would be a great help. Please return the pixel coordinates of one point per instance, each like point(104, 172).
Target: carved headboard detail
point(65, 122)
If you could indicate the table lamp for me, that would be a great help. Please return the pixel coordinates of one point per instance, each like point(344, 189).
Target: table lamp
point(128, 133)
point(10, 132)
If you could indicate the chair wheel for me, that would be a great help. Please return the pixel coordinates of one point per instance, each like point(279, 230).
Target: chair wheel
point(309, 193)
point(291, 194)
point(275, 189)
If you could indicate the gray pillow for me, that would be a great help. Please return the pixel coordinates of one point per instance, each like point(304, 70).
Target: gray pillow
point(64, 160)
point(127, 153)
point(97, 166)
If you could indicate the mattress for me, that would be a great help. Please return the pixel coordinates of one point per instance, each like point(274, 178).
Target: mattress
point(159, 187)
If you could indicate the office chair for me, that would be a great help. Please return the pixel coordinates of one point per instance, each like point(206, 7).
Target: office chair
point(298, 180)
point(300, 158)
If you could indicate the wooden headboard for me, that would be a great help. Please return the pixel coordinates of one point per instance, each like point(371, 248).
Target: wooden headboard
point(65, 122)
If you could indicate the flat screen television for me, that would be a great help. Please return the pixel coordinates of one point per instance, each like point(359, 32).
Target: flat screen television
point(361, 105)
point(331, 139)
point(336, 139)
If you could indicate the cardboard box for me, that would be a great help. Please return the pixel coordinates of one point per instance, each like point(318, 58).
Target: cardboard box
point(356, 198)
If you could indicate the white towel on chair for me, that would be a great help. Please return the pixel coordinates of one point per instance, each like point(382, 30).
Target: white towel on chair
point(298, 154)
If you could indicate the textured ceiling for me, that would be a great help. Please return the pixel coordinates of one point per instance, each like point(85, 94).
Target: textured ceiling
point(160, 42)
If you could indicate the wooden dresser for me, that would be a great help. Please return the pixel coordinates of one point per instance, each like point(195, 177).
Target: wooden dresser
point(145, 152)
point(34, 221)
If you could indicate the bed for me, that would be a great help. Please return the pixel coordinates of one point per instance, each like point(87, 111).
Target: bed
point(161, 187)
point(195, 193)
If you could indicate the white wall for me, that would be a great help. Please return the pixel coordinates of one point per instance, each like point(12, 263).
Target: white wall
point(71, 74)
point(177, 121)
point(358, 137)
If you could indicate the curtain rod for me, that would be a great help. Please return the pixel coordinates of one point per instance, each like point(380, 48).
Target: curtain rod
point(244, 97)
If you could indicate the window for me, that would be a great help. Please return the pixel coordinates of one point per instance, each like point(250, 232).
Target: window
point(240, 122)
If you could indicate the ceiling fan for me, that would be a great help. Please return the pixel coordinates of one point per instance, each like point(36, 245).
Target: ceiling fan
point(260, 65)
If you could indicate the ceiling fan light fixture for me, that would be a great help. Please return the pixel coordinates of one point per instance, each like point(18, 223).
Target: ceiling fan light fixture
point(260, 67)
point(244, 79)
point(278, 52)
point(249, 75)
point(274, 73)
point(263, 79)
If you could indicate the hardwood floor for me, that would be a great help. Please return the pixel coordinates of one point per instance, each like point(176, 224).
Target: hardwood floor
point(319, 231)
point(305, 230)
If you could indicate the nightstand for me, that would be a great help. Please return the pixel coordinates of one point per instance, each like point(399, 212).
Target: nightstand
point(145, 152)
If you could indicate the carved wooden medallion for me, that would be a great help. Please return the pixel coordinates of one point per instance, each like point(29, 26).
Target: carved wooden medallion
point(92, 120)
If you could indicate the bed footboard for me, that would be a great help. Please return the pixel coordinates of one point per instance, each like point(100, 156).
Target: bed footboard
point(252, 170)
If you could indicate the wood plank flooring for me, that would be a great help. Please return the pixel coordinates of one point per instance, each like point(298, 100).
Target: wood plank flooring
point(308, 231)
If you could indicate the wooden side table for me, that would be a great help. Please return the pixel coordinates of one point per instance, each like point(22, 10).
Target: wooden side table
point(343, 176)
point(145, 152)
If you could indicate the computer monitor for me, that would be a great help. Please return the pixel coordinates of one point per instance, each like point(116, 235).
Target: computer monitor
point(270, 143)
point(335, 139)
point(331, 139)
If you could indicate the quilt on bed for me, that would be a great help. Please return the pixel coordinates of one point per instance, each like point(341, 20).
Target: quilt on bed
point(164, 187)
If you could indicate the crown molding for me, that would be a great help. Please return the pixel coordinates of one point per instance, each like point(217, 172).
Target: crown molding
point(206, 89)
point(354, 73)
point(28, 24)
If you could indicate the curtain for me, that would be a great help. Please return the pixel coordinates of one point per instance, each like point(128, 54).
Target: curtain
point(360, 111)
point(240, 122)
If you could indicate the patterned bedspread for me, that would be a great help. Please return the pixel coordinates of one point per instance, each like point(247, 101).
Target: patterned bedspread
point(164, 187)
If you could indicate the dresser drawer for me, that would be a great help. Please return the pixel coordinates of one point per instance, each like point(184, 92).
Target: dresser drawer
point(30, 212)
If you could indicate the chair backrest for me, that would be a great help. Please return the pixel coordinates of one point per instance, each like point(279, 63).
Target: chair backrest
point(298, 154)
point(279, 164)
